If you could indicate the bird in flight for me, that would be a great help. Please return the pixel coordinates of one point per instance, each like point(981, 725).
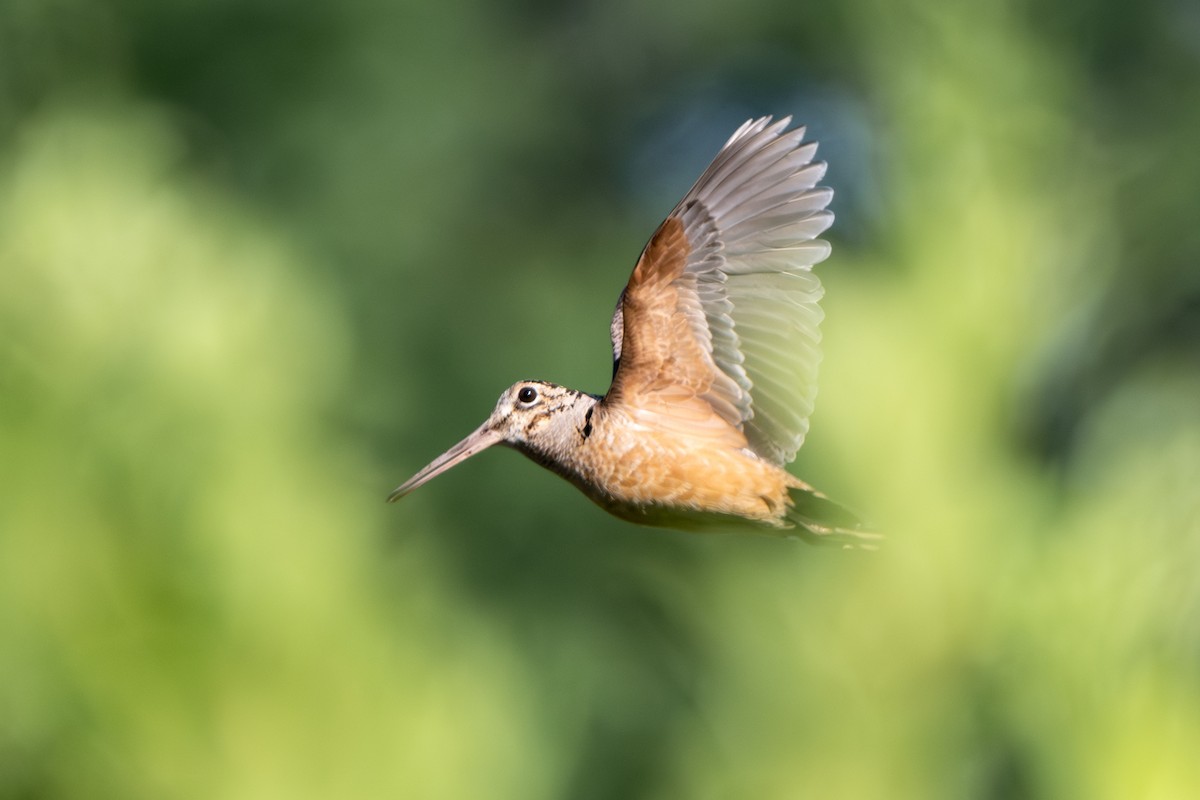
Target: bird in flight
point(715, 349)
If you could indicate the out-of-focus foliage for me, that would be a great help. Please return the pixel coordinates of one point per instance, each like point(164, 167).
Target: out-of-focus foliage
point(260, 261)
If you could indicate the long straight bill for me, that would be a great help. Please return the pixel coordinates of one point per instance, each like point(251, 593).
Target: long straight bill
point(481, 439)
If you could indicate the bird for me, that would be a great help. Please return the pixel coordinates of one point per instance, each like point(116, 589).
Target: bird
point(715, 344)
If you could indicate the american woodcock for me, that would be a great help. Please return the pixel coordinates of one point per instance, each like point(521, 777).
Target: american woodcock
point(715, 351)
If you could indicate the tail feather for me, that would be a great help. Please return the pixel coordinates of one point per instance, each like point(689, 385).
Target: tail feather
point(819, 520)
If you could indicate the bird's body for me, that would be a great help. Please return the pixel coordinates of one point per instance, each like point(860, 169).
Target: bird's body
point(715, 348)
point(634, 467)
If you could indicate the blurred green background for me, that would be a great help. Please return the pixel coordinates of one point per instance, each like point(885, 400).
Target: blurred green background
point(260, 261)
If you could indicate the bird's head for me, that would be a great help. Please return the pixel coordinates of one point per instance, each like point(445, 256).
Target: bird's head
point(538, 418)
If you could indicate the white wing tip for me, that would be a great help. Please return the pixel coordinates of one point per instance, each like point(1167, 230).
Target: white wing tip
point(757, 125)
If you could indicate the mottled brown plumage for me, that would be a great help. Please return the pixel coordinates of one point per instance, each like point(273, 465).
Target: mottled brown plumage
point(715, 352)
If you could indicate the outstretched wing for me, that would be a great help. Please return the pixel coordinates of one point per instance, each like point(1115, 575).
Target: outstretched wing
point(722, 307)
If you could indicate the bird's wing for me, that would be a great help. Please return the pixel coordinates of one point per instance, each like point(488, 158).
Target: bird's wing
point(722, 308)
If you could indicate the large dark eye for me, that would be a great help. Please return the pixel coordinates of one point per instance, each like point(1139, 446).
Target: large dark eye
point(527, 394)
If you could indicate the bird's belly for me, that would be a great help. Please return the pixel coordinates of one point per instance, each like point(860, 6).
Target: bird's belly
point(679, 517)
point(685, 487)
